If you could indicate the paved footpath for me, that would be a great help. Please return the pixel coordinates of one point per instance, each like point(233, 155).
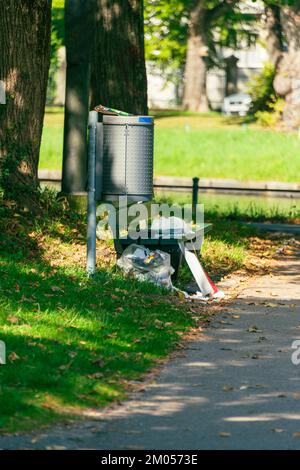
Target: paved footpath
point(234, 388)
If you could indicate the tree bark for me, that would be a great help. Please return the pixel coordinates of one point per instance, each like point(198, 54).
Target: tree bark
point(25, 30)
point(119, 77)
point(195, 96)
point(287, 79)
point(274, 38)
point(79, 37)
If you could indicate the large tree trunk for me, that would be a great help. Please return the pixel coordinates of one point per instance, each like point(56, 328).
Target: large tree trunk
point(195, 96)
point(287, 80)
point(25, 28)
point(118, 69)
point(274, 38)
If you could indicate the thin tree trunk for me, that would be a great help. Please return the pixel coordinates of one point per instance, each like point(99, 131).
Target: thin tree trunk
point(118, 68)
point(25, 30)
point(274, 39)
point(79, 32)
point(195, 96)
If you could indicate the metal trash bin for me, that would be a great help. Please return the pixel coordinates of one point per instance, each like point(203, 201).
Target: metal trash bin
point(124, 158)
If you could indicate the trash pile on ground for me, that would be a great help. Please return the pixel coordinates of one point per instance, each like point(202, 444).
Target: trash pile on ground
point(155, 265)
point(145, 265)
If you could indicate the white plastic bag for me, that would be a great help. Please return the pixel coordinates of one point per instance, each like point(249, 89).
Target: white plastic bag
point(146, 265)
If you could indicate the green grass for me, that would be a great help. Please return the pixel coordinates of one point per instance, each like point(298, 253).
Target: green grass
point(240, 208)
point(227, 153)
point(187, 144)
point(52, 139)
point(72, 343)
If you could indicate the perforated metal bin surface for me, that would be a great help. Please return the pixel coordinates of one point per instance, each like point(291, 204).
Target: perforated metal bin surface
point(127, 157)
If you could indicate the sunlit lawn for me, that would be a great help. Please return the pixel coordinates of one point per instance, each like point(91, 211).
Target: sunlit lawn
point(72, 343)
point(206, 146)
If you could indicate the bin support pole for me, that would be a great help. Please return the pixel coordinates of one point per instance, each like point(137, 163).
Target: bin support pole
point(195, 198)
point(91, 209)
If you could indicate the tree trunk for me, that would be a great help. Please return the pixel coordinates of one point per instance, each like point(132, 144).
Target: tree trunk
point(287, 80)
point(195, 96)
point(274, 39)
point(79, 37)
point(119, 77)
point(25, 29)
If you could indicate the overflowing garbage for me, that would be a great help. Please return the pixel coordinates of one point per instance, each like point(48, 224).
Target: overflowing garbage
point(146, 265)
point(155, 266)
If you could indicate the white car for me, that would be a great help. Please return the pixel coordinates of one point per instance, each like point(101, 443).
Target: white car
point(237, 104)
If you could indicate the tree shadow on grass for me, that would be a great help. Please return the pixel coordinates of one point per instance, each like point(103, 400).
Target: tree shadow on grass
point(72, 342)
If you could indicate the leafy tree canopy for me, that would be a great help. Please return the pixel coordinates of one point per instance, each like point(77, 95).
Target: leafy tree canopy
point(166, 30)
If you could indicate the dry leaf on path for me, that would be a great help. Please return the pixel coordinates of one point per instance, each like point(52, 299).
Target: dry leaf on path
point(224, 434)
point(227, 388)
point(253, 329)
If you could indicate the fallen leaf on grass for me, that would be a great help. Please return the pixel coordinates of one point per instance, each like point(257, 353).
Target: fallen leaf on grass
point(38, 345)
point(13, 320)
point(27, 299)
point(13, 356)
point(99, 362)
point(56, 289)
point(65, 366)
point(111, 335)
point(72, 354)
point(119, 309)
point(181, 295)
point(97, 375)
point(158, 324)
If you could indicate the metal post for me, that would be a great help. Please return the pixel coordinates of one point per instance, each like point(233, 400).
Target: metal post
point(195, 198)
point(91, 209)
